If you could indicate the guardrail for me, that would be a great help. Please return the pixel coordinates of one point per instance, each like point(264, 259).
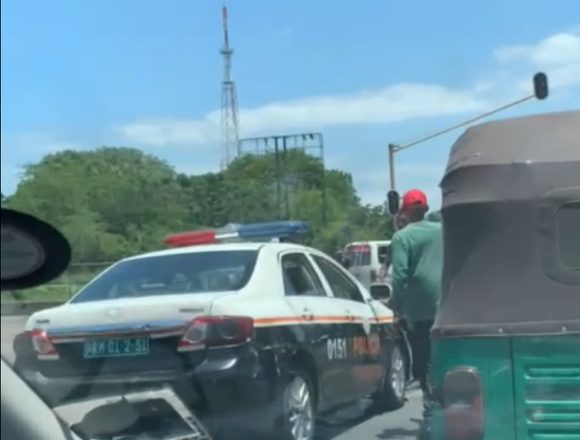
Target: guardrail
point(27, 307)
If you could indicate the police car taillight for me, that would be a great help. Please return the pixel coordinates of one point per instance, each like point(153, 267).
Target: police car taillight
point(463, 405)
point(43, 345)
point(216, 331)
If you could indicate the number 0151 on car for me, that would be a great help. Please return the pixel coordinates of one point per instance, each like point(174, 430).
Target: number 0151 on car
point(102, 348)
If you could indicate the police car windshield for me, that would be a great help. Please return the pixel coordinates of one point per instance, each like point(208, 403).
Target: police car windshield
point(199, 272)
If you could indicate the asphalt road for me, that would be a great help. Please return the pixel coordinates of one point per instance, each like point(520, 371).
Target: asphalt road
point(349, 424)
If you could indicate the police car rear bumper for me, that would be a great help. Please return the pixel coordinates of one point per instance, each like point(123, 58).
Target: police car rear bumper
point(226, 381)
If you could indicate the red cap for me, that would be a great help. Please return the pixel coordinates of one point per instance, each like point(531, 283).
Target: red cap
point(414, 197)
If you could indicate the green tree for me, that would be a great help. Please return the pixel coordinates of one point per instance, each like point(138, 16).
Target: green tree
point(112, 202)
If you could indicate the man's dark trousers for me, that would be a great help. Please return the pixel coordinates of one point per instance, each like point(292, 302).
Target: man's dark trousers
point(420, 340)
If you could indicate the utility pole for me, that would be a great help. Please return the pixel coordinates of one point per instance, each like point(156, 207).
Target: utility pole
point(285, 174)
point(229, 108)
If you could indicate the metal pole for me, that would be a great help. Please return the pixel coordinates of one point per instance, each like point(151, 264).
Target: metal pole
point(392, 151)
point(470, 121)
point(286, 197)
point(321, 139)
point(277, 158)
point(393, 148)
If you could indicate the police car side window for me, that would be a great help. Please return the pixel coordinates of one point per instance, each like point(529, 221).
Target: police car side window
point(341, 286)
point(299, 276)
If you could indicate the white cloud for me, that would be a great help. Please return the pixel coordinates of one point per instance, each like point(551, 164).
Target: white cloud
point(558, 56)
point(35, 144)
point(391, 104)
point(173, 131)
point(557, 49)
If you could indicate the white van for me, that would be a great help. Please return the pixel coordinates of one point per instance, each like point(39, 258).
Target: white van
point(368, 260)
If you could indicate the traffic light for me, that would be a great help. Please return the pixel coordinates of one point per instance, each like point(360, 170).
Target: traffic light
point(541, 85)
point(393, 200)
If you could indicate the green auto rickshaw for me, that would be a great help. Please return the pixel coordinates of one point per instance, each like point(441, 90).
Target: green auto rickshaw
point(506, 340)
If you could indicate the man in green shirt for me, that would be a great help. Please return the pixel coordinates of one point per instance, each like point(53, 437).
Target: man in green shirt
point(417, 263)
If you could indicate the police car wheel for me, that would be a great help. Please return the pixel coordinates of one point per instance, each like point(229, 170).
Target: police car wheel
point(298, 414)
point(392, 393)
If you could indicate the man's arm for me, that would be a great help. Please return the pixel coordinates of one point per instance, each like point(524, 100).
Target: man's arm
point(400, 264)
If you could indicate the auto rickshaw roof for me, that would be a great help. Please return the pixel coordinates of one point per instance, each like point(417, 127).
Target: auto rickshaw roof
point(508, 186)
point(541, 138)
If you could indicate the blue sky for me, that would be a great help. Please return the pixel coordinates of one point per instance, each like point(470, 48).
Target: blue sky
point(146, 73)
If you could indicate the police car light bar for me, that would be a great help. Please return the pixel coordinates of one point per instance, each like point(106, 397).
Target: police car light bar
point(253, 231)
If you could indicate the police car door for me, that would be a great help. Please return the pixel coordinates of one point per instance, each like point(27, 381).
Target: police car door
point(363, 331)
point(321, 331)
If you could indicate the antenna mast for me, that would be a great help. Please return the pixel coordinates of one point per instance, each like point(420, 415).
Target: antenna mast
point(229, 109)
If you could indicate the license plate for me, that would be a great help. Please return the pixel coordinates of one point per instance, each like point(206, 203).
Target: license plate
point(102, 348)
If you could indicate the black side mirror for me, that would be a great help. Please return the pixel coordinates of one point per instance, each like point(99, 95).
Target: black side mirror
point(380, 292)
point(393, 201)
point(33, 252)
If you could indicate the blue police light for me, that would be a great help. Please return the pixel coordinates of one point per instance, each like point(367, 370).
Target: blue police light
point(279, 229)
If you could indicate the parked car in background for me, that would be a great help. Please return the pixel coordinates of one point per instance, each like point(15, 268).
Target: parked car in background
point(368, 261)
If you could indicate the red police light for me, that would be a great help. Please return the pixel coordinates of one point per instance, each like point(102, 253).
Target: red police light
point(191, 238)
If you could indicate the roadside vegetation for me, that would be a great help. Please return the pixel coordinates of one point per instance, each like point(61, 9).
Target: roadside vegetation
point(113, 202)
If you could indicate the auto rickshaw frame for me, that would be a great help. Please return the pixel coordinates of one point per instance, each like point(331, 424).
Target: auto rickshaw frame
point(506, 340)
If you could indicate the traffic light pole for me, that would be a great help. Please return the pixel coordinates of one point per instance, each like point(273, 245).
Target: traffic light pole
point(392, 151)
point(540, 82)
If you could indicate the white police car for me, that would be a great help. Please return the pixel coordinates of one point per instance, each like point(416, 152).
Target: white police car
point(275, 331)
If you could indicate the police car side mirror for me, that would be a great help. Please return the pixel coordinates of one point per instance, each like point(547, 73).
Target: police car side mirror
point(380, 292)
